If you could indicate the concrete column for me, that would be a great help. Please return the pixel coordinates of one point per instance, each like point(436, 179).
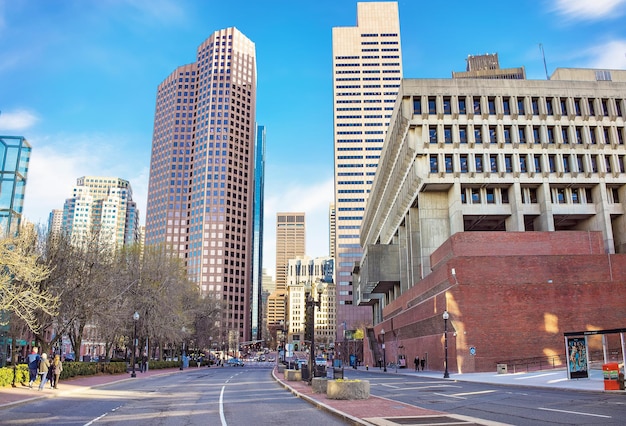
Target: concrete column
point(515, 222)
point(545, 221)
point(414, 246)
point(601, 221)
point(434, 224)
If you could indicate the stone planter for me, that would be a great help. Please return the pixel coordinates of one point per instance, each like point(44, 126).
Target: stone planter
point(293, 375)
point(319, 384)
point(347, 389)
point(281, 368)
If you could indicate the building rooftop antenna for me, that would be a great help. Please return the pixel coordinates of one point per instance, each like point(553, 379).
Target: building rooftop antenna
point(543, 55)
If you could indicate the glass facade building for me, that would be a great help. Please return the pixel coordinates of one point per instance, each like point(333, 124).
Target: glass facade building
point(14, 159)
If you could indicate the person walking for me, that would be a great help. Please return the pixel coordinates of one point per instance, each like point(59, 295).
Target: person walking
point(55, 371)
point(33, 366)
point(44, 366)
point(423, 362)
point(417, 363)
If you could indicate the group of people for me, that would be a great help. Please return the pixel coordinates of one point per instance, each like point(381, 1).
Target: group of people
point(419, 363)
point(39, 366)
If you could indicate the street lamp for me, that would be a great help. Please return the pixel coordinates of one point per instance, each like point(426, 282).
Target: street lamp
point(446, 315)
point(135, 319)
point(311, 303)
point(182, 352)
point(382, 332)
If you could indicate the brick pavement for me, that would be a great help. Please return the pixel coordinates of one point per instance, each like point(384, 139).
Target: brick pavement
point(375, 409)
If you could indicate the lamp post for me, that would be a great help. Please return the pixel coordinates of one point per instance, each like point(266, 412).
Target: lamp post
point(182, 352)
point(135, 319)
point(311, 303)
point(446, 315)
point(382, 332)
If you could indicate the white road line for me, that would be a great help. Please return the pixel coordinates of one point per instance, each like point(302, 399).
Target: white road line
point(99, 417)
point(448, 396)
point(475, 393)
point(222, 406)
point(576, 412)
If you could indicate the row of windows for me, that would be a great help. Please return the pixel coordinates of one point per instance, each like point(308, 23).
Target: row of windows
point(558, 195)
point(526, 134)
point(530, 163)
point(520, 105)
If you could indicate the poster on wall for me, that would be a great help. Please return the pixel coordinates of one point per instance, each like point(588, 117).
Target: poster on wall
point(577, 356)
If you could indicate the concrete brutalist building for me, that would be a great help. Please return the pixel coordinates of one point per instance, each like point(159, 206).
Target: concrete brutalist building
point(492, 159)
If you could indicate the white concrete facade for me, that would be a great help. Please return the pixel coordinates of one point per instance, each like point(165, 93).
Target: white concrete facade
point(494, 155)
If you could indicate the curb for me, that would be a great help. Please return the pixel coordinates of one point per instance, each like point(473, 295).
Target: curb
point(329, 409)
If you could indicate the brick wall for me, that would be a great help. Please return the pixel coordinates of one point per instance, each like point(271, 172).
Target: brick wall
point(514, 296)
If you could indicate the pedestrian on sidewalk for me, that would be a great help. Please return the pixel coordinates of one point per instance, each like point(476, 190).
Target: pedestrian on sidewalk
point(423, 362)
point(417, 363)
point(55, 371)
point(33, 366)
point(44, 366)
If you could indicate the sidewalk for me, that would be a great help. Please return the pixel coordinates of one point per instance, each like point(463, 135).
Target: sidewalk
point(20, 394)
point(553, 378)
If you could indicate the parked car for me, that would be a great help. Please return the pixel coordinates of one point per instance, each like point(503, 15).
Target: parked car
point(320, 360)
point(235, 362)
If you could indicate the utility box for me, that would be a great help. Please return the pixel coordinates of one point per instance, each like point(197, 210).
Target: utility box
point(502, 369)
point(611, 376)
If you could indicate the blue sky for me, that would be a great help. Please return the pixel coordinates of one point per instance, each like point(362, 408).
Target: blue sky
point(78, 79)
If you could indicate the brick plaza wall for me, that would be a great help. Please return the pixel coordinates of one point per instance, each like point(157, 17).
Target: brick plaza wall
point(513, 297)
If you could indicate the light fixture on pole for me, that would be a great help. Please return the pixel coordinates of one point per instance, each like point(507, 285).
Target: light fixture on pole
point(182, 352)
point(135, 319)
point(446, 315)
point(311, 303)
point(382, 333)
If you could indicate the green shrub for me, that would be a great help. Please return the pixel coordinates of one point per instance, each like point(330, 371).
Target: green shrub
point(76, 369)
point(21, 375)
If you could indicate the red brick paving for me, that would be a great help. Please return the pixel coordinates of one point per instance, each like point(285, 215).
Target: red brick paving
point(358, 409)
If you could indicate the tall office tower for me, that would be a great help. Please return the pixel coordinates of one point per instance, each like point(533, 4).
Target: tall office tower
point(367, 69)
point(290, 243)
point(332, 229)
point(257, 251)
point(200, 192)
point(14, 159)
point(55, 222)
point(102, 205)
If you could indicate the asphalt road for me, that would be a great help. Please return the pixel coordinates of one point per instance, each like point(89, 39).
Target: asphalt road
point(506, 404)
point(208, 396)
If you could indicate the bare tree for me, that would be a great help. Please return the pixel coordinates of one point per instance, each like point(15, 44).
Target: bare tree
point(20, 276)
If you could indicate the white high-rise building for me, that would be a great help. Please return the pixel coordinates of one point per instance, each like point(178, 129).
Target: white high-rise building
point(102, 205)
point(367, 70)
point(305, 274)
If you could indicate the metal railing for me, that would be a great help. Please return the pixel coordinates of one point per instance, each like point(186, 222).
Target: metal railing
point(533, 364)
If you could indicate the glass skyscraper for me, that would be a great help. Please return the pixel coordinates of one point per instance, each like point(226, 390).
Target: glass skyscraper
point(14, 159)
point(257, 251)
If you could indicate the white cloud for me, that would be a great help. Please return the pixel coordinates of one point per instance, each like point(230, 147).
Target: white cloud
point(19, 120)
point(313, 199)
point(53, 172)
point(611, 55)
point(590, 10)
